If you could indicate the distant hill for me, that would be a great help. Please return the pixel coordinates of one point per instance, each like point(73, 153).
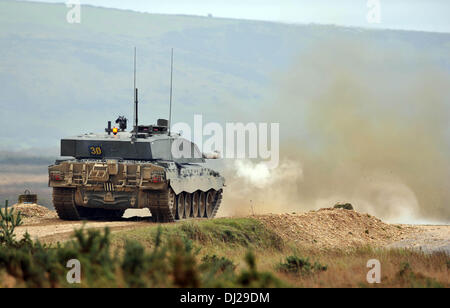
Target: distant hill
point(59, 79)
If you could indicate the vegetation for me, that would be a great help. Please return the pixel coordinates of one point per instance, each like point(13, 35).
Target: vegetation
point(9, 221)
point(408, 277)
point(219, 264)
point(226, 233)
point(303, 266)
point(220, 253)
point(172, 262)
point(345, 206)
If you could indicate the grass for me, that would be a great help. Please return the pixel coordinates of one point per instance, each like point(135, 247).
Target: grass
point(348, 269)
point(227, 241)
point(220, 234)
point(228, 252)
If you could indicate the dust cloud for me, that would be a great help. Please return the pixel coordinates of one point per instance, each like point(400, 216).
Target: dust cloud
point(359, 123)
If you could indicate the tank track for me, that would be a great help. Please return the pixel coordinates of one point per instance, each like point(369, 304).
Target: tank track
point(64, 203)
point(162, 205)
point(217, 203)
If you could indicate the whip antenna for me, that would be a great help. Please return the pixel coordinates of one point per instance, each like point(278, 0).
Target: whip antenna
point(135, 98)
point(171, 92)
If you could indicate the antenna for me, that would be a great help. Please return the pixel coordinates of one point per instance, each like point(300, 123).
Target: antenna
point(171, 92)
point(135, 98)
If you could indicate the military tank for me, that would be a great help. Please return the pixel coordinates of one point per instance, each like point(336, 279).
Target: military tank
point(117, 170)
point(111, 172)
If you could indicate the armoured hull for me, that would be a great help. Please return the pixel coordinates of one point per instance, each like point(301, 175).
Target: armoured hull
point(92, 189)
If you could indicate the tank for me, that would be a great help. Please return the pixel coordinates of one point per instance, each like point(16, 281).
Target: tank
point(111, 172)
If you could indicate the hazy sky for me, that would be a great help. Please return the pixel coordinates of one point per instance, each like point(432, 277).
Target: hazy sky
point(425, 15)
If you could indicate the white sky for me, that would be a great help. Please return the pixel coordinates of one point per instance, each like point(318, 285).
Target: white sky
point(424, 15)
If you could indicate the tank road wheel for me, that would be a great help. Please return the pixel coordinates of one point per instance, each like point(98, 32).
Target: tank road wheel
point(202, 205)
point(210, 203)
point(188, 205)
point(181, 204)
point(195, 204)
point(64, 203)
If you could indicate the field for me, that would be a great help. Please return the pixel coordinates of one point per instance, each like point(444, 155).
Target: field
point(231, 252)
point(234, 238)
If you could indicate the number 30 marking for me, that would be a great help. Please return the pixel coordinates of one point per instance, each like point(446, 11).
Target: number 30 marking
point(96, 151)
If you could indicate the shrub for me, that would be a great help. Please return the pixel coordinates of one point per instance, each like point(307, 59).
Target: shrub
point(183, 264)
point(345, 206)
point(252, 278)
point(9, 221)
point(134, 264)
point(298, 265)
point(405, 269)
point(218, 264)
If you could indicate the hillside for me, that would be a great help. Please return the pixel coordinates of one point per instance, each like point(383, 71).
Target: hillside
point(62, 79)
point(59, 79)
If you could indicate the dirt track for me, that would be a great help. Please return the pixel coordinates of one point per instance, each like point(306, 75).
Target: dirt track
point(45, 225)
point(54, 230)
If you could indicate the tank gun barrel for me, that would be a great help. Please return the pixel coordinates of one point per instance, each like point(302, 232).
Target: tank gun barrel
point(213, 155)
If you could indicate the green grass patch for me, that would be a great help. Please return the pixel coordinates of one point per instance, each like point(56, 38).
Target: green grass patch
point(224, 233)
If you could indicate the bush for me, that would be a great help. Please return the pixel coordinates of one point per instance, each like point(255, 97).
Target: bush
point(345, 206)
point(35, 265)
point(252, 278)
point(218, 264)
point(183, 264)
point(297, 265)
point(405, 269)
point(170, 263)
point(9, 221)
point(133, 264)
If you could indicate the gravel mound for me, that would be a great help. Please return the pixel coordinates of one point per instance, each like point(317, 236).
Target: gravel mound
point(334, 228)
point(34, 213)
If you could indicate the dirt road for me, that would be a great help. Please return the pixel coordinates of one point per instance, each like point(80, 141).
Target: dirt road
point(44, 224)
point(55, 230)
